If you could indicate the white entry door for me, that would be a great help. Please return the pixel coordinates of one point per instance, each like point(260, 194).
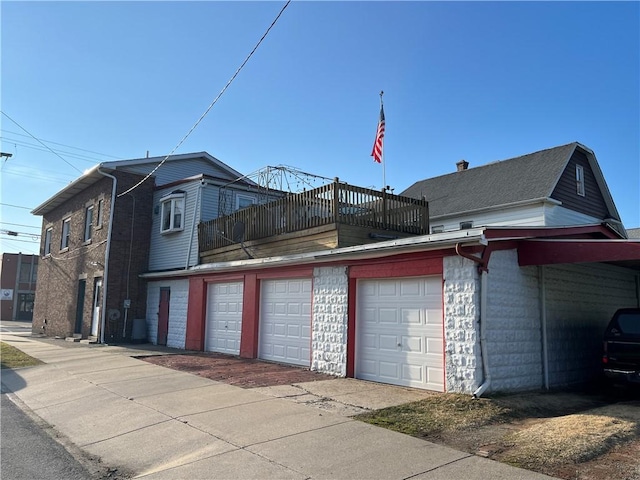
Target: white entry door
point(224, 317)
point(97, 307)
point(399, 332)
point(285, 321)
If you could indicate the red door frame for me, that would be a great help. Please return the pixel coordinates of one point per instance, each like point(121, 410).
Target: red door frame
point(163, 315)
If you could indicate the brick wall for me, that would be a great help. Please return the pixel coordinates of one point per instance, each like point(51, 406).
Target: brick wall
point(59, 274)
point(329, 332)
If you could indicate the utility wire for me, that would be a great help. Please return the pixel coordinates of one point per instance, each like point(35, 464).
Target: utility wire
point(215, 100)
point(42, 143)
point(63, 145)
point(22, 143)
point(15, 206)
point(19, 225)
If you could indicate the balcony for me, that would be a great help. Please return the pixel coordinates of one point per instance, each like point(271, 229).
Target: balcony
point(332, 216)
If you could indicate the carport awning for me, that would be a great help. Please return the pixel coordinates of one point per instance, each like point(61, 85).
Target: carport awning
point(625, 253)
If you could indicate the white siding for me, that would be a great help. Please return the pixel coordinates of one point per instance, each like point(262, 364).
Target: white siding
point(539, 215)
point(580, 300)
point(169, 251)
point(178, 303)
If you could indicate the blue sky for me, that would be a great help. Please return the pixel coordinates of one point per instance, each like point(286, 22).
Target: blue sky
point(483, 81)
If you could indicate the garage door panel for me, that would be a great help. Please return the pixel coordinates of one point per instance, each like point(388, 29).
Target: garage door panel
point(399, 336)
point(285, 321)
point(224, 317)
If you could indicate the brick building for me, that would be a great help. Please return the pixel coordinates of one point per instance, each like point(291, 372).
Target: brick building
point(94, 245)
point(18, 275)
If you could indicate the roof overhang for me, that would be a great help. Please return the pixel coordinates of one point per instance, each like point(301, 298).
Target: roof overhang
point(88, 178)
point(625, 253)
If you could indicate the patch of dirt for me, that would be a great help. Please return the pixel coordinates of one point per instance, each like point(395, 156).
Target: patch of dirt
point(242, 372)
point(566, 435)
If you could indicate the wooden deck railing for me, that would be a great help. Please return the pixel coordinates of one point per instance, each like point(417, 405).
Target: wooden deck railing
point(336, 203)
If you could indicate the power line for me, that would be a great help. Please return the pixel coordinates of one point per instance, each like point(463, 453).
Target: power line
point(15, 206)
point(63, 145)
point(19, 225)
point(39, 177)
point(42, 143)
point(13, 233)
point(215, 100)
point(38, 148)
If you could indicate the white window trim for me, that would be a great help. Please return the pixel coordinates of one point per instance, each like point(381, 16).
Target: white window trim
point(88, 223)
point(99, 213)
point(64, 247)
point(172, 200)
point(48, 236)
point(239, 197)
point(463, 225)
point(580, 180)
point(437, 229)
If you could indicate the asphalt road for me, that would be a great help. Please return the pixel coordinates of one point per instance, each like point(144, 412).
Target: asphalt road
point(28, 452)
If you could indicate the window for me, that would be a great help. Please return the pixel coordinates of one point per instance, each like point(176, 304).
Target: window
point(47, 241)
point(466, 225)
point(99, 214)
point(88, 222)
point(66, 227)
point(580, 180)
point(172, 212)
point(25, 273)
point(244, 201)
point(437, 229)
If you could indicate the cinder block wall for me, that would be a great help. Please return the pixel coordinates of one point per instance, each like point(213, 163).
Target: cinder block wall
point(329, 324)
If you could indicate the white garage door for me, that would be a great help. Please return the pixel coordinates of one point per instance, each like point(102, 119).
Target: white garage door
point(400, 332)
point(224, 317)
point(285, 321)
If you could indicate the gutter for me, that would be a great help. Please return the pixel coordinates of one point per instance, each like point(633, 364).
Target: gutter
point(105, 274)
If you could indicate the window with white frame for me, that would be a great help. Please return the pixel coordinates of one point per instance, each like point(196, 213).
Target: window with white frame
point(172, 210)
point(47, 241)
point(99, 213)
point(437, 229)
point(580, 180)
point(88, 222)
point(244, 201)
point(66, 233)
point(466, 225)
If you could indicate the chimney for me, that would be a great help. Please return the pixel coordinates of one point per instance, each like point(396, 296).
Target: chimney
point(462, 165)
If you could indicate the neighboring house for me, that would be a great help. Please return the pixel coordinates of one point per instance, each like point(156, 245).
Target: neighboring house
point(334, 283)
point(633, 232)
point(18, 276)
point(554, 187)
point(92, 255)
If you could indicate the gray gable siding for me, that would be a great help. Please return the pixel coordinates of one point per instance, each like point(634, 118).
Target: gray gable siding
point(566, 190)
point(173, 171)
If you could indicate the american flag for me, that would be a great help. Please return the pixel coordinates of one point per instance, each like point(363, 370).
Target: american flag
point(376, 153)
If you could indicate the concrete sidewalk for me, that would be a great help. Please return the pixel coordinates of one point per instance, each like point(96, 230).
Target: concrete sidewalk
point(157, 423)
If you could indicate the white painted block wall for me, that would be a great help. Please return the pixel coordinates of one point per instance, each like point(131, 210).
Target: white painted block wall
point(178, 304)
point(329, 320)
point(513, 328)
point(461, 297)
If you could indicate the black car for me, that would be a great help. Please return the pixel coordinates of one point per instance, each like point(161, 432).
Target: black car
point(621, 358)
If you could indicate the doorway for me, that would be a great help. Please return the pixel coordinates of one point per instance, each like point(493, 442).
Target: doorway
point(97, 298)
point(163, 315)
point(82, 286)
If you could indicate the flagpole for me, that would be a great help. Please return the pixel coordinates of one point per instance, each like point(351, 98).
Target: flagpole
point(384, 167)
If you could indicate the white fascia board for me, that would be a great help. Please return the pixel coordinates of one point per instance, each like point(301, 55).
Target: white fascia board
point(435, 241)
point(521, 203)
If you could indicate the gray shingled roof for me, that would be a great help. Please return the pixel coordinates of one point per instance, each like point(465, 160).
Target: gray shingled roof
point(505, 182)
point(633, 232)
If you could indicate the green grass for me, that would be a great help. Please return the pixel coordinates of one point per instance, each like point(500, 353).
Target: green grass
point(11, 357)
